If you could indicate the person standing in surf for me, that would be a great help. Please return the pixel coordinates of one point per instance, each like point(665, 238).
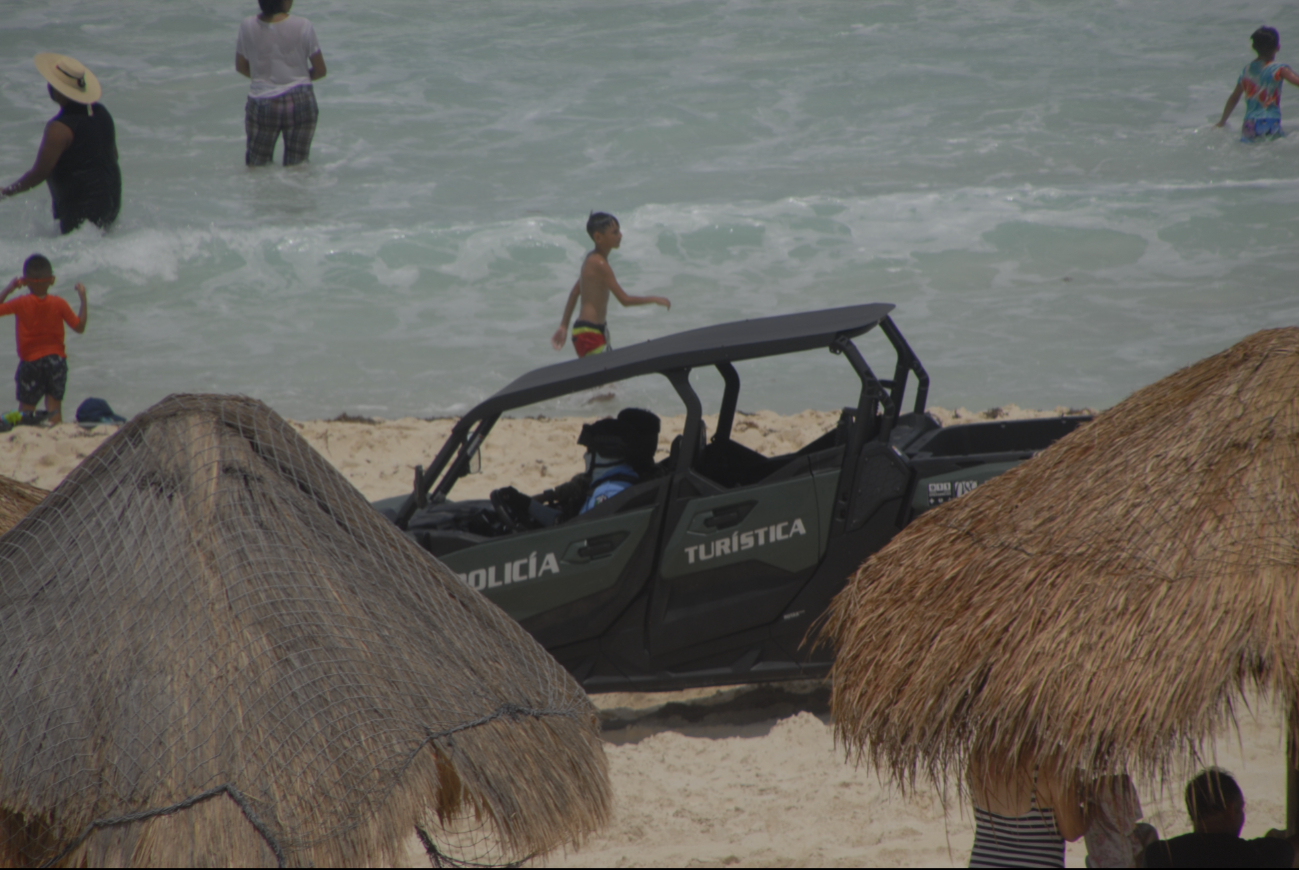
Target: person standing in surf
point(594, 284)
point(1260, 82)
point(282, 57)
point(78, 154)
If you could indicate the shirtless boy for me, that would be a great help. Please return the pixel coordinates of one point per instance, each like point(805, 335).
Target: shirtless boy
point(594, 284)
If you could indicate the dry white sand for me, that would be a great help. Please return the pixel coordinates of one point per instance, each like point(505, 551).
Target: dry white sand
point(739, 776)
point(761, 783)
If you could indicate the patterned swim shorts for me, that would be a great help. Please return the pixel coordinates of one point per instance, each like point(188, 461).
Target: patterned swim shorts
point(1261, 128)
point(590, 338)
point(292, 113)
point(47, 376)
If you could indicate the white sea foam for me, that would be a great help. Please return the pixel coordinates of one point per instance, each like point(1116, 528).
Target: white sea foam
point(1039, 190)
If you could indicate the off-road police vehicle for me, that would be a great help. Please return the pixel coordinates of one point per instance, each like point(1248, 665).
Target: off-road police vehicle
point(712, 570)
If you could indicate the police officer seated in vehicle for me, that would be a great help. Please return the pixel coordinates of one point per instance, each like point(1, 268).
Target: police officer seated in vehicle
point(607, 465)
point(619, 454)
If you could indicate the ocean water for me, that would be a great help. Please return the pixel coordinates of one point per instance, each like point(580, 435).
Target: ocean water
point(1037, 186)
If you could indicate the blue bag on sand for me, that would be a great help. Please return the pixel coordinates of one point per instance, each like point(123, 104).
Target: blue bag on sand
point(97, 411)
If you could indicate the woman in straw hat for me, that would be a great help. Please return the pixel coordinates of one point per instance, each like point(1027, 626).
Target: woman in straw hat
point(78, 155)
point(282, 57)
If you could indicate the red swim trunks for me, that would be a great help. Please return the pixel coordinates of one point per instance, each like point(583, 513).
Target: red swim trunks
point(589, 338)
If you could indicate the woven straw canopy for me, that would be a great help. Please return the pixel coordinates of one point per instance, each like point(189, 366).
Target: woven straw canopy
point(213, 651)
point(1110, 600)
point(16, 499)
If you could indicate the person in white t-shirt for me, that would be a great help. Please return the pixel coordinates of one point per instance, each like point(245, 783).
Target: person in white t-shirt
point(282, 57)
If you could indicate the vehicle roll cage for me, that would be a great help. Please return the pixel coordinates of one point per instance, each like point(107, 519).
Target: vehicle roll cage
point(877, 412)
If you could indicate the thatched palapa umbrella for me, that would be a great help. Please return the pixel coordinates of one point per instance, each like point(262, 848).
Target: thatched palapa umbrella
point(1110, 600)
point(16, 499)
point(213, 651)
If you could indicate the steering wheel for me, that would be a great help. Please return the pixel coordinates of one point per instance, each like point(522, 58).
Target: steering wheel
point(503, 512)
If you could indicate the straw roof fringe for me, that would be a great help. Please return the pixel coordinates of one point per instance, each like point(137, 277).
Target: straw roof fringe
point(16, 499)
point(206, 609)
point(1110, 601)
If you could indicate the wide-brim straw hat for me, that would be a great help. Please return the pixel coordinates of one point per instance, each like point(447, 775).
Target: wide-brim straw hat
point(69, 77)
point(1112, 602)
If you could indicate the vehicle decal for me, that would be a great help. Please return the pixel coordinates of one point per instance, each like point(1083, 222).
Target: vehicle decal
point(740, 541)
point(515, 571)
point(946, 490)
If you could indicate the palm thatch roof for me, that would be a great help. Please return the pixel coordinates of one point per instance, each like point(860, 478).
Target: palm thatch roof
point(1111, 600)
point(16, 499)
point(212, 650)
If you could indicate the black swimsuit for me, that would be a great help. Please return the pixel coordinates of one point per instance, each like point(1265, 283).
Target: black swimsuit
point(86, 184)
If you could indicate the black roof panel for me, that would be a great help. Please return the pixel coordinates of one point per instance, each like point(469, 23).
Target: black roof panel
point(708, 345)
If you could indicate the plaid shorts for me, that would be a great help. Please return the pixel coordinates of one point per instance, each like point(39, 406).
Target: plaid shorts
point(47, 376)
point(292, 113)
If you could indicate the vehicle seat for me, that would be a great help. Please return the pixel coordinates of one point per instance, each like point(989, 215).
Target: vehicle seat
point(669, 466)
point(732, 464)
point(836, 437)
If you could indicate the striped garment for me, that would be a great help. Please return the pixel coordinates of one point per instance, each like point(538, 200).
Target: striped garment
point(1030, 840)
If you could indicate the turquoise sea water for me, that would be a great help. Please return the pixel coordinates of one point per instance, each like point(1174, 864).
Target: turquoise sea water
point(1036, 185)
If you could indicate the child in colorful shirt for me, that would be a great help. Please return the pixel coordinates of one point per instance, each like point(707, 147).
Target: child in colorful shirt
point(43, 366)
point(1260, 82)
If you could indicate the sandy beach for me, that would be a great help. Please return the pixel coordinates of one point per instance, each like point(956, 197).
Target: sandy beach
point(379, 456)
point(734, 776)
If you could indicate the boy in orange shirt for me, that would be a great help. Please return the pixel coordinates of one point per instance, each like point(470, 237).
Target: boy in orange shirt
point(43, 365)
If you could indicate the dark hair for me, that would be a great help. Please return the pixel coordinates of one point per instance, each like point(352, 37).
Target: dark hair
point(643, 438)
point(1210, 793)
point(1266, 40)
point(37, 265)
point(271, 7)
point(599, 222)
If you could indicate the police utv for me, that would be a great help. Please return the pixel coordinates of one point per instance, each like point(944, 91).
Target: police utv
point(710, 568)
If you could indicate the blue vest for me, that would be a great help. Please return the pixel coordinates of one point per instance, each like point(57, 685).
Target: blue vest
point(610, 482)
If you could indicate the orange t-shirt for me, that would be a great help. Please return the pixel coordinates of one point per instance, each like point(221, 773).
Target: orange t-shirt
point(40, 324)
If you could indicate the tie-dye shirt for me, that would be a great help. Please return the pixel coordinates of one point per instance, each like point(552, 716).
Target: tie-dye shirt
point(1262, 84)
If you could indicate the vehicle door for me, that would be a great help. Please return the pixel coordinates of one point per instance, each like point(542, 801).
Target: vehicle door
point(733, 558)
point(530, 574)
